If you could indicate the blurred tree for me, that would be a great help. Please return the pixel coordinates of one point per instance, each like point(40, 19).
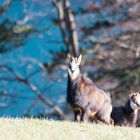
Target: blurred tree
point(110, 32)
point(67, 26)
point(13, 34)
point(117, 50)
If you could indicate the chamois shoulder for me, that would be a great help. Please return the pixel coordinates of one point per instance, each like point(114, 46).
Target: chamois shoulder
point(86, 79)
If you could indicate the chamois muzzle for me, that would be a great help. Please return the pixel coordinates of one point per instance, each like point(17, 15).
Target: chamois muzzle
point(135, 102)
point(135, 98)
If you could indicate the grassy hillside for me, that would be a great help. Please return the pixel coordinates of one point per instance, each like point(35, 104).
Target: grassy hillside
point(33, 129)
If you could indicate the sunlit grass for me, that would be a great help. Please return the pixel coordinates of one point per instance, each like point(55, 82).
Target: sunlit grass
point(34, 129)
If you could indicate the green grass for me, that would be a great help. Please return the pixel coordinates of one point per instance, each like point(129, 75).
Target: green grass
point(34, 129)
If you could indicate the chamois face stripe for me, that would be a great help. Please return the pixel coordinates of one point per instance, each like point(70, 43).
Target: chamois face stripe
point(73, 75)
point(73, 69)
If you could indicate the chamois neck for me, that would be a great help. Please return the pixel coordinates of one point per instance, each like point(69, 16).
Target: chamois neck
point(128, 108)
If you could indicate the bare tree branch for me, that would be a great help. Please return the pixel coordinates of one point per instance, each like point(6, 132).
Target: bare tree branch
point(62, 24)
point(72, 27)
point(67, 26)
point(35, 90)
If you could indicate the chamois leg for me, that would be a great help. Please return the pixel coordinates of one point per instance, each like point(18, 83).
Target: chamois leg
point(77, 116)
point(85, 116)
point(107, 119)
point(105, 114)
point(111, 121)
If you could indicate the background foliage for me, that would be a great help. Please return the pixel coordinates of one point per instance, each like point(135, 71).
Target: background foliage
point(36, 36)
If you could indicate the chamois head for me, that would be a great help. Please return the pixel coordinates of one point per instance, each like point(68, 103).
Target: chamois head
point(73, 69)
point(135, 100)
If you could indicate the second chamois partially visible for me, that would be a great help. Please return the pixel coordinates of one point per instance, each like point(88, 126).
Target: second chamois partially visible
point(127, 115)
point(85, 98)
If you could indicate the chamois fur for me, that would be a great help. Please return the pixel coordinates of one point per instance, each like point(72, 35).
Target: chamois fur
point(127, 115)
point(85, 98)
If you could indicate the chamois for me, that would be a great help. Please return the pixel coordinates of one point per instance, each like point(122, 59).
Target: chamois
point(127, 115)
point(86, 100)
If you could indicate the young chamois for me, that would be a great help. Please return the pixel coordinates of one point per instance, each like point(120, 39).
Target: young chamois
point(85, 98)
point(127, 115)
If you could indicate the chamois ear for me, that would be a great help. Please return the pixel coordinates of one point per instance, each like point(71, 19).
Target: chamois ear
point(70, 58)
point(79, 59)
point(131, 94)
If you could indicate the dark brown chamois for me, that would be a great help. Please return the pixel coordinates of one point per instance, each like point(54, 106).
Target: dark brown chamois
point(127, 115)
point(85, 98)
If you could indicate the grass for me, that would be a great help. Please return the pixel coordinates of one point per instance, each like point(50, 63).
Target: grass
point(34, 129)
